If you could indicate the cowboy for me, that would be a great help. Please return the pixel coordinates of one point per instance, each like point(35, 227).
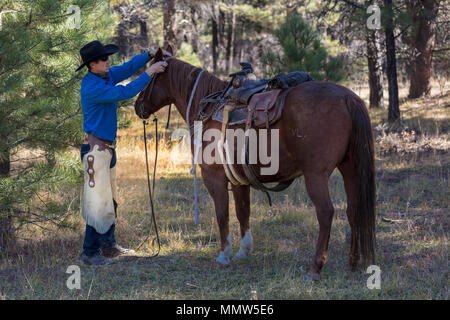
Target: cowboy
point(99, 95)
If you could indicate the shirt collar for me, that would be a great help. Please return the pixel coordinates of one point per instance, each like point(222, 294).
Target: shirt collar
point(104, 76)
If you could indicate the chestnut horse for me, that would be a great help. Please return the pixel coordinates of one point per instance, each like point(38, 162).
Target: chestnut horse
point(323, 126)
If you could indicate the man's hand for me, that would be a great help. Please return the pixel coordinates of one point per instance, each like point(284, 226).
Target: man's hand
point(157, 67)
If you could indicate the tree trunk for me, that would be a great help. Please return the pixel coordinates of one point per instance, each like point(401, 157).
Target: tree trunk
point(143, 37)
point(424, 15)
point(6, 222)
point(391, 65)
point(122, 40)
point(230, 37)
point(170, 17)
point(215, 39)
point(194, 34)
point(374, 62)
point(221, 28)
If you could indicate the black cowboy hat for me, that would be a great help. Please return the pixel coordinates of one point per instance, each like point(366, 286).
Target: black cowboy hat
point(94, 50)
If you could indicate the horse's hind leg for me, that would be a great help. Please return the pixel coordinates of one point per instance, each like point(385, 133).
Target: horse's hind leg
point(317, 187)
point(350, 183)
point(241, 195)
point(216, 183)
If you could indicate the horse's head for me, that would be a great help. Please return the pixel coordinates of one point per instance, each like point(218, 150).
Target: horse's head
point(156, 95)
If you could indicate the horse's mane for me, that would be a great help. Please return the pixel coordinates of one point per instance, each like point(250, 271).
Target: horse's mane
point(182, 75)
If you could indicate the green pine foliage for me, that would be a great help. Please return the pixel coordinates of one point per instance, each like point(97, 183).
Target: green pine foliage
point(302, 50)
point(40, 111)
point(186, 53)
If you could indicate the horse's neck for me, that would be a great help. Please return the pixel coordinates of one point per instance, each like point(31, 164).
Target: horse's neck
point(207, 84)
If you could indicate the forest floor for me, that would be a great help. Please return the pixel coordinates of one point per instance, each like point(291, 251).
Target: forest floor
point(412, 164)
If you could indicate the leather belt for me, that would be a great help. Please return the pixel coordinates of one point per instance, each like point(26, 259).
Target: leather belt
point(102, 144)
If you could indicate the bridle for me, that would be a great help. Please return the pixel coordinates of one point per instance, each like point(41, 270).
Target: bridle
point(148, 92)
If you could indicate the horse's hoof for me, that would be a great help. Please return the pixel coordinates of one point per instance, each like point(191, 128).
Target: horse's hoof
point(223, 260)
point(240, 256)
point(246, 247)
point(310, 277)
point(223, 263)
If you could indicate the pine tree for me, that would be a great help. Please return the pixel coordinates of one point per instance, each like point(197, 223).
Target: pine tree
point(303, 51)
point(40, 110)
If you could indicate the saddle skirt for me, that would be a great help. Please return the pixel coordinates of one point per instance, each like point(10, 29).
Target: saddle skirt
point(264, 109)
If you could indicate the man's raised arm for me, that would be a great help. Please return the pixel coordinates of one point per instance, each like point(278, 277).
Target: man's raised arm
point(126, 70)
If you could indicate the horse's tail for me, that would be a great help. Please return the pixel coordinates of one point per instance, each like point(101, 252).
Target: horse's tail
point(361, 151)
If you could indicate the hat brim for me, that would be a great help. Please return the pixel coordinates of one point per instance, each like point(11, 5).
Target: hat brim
point(109, 50)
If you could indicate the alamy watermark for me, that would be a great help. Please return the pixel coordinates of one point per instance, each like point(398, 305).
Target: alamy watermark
point(1, 16)
point(74, 281)
point(74, 20)
point(259, 142)
point(374, 281)
point(374, 20)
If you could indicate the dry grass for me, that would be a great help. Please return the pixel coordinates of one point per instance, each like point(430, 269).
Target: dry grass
point(412, 229)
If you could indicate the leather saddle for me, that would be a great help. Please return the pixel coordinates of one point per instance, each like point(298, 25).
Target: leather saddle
point(263, 109)
point(257, 103)
point(243, 93)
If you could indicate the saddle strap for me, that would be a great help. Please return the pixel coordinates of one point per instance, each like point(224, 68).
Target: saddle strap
point(233, 176)
point(255, 183)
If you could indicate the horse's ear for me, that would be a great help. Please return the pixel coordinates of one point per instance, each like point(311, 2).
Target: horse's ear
point(170, 49)
point(158, 55)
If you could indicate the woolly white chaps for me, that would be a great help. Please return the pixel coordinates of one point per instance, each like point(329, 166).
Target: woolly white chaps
point(99, 190)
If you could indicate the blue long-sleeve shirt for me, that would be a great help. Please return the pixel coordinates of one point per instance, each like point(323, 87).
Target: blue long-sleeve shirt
point(99, 96)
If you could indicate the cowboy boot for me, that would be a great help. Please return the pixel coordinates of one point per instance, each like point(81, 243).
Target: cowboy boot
point(95, 260)
point(115, 251)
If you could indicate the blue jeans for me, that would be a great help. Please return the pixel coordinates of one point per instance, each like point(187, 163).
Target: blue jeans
point(93, 240)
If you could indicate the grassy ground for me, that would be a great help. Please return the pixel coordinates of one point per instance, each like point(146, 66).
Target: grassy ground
point(413, 165)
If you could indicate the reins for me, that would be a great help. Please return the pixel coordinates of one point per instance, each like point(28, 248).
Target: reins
point(150, 188)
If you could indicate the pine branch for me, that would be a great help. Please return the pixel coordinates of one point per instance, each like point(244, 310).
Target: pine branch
point(402, 31)
point(353, 4)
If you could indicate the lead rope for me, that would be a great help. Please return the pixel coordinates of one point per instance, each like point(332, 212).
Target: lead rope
point(150, 188)
point(196, 143)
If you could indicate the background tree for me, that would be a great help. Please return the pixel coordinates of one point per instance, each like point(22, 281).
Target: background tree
point(424, 15)
point(302, 50)
point(215, 34)
point(374, 64)
point(40, 109)
point(391, 63)
point(231, 35)
point(170, 23)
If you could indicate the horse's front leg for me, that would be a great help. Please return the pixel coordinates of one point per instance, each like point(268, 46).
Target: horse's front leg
point(216, 183)
point(241, 195)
